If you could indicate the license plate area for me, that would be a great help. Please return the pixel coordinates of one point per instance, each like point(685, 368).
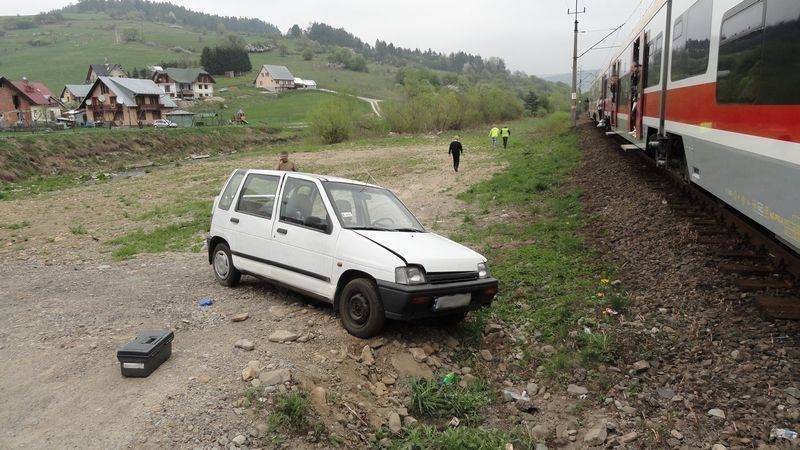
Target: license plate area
point(451, 301)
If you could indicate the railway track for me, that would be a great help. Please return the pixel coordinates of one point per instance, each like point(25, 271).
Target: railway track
point(764, 269)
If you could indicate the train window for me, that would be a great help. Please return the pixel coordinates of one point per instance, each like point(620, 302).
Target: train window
point(690, 44)
point(739, 68)
point(654, 49)
point(753, 65)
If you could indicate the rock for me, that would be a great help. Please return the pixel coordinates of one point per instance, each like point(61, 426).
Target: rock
point(486, 355)
point(409, 421)
point(541, 430)
point(628, 437)
point(574, 389)
point(718, 447)
point(540, 446)
point(255, 382)
point(548, 349)
point(532, 389)
point(274, 377)
point(406, 366)
point(454, 422)
point(525, 406)
point(641, 366)
point(388, 380)
point(239, 440)
point(244, 344)
point(367, 356)
point(395, 425)
point(716, 412)
point(319, 398)
point(428, 348)
point(793, 391)
point(418, 354)
point(492, 328)
point(377, 343)
point(248, 373)
point(596, 435)
point(240, 317)
point(283, 336)
point(665, 393)
point(735, 354)
point(676, 434)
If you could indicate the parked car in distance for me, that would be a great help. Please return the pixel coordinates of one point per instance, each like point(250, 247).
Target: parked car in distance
point(348, 243)
point(164, 123)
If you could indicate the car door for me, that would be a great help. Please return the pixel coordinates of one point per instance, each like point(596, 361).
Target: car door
point(304, 237)
point(220, 218)
point(252, 220)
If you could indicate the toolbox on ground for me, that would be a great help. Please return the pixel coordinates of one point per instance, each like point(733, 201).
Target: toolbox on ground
point(143, 355)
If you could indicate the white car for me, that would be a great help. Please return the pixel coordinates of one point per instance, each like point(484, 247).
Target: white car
point(164, 123)
point(348, 243)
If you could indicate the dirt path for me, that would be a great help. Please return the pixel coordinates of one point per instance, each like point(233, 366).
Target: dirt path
point(66, 306)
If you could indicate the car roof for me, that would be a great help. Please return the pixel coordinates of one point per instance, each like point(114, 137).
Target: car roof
point(313, 176)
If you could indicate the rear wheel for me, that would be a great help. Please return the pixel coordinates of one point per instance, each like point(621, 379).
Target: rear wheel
point(361, 309)
point(222, 263)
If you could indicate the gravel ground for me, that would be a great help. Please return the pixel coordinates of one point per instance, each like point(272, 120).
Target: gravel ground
point(706, 345)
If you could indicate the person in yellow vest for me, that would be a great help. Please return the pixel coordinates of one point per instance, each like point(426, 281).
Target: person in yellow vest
point(505, 133)
point(494, 133)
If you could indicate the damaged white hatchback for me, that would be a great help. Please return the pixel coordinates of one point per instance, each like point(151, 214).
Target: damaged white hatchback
point(348, 243)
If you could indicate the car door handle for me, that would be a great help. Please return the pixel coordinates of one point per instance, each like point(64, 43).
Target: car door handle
point(234, 220)
point(282, 231)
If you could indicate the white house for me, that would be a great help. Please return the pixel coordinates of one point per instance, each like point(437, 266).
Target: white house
point(185, 84)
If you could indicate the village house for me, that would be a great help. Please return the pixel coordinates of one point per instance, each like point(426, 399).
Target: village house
point(274, 78)
point(186, 84)
point(74, 93)
point(126, 101)
point(25, 103)
point(104, 70)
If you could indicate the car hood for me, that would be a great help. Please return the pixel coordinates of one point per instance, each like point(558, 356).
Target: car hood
point(433, 252)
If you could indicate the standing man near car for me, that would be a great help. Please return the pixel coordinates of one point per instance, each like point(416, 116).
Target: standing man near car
point(494, 133)
point(284, 163)
point(455, 149)
point(505, 133)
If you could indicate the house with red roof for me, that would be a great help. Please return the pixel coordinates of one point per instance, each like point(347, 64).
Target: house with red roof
point(25, 103)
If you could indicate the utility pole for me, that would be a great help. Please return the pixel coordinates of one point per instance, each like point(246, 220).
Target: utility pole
point(575, 66)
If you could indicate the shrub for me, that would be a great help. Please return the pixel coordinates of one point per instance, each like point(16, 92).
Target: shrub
point(291, 412)
point(332, 121)
point(308, 54)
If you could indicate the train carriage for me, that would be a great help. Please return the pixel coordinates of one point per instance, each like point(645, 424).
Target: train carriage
point(729, 71)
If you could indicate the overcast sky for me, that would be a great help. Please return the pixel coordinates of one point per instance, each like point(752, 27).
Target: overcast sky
point(530, 35)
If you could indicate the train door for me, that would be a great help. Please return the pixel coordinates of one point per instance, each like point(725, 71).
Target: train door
point(614, 93)
point(604, 96)
point(635, 124)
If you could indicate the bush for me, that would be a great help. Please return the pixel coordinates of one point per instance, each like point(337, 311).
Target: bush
point(332, 121)
point(308, 54)
point(291, 412)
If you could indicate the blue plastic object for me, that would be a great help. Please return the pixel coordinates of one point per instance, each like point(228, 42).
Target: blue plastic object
point(205, 302)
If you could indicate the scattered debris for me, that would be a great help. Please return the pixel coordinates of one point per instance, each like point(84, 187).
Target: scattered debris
point(240, 317)
point(716, 412)
point(782, 433)
point(205, 302)
point(454, 422)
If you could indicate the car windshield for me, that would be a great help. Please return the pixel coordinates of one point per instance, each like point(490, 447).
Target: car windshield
point(361, 207)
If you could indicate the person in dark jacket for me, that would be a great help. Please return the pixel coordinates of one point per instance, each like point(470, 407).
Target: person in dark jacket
point(455, 149)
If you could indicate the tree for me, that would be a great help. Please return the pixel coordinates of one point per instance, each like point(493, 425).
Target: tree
point(308, 54)
point(295, 32)
point(283, 50)
point(221, 59)
point(131, 35)
point(532, 102)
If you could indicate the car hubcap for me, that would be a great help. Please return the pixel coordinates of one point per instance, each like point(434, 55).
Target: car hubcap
point(359, 308)
point(221, 265)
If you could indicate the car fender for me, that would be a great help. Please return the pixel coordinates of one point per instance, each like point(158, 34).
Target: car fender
point(357, 252)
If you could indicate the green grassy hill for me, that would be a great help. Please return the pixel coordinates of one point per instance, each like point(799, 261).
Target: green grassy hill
point(60, 53)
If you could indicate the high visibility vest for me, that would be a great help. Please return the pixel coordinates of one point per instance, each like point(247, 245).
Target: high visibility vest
point(505, 132)
point(495, 132)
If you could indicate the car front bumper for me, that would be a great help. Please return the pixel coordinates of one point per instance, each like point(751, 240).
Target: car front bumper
point(410, 302)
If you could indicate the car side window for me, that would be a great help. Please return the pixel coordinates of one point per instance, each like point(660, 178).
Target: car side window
point(226, 199)
point(302, 205)
point(258, 195)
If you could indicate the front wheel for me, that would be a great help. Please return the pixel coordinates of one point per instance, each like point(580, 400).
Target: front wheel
point(222, 263)
point(361, 309)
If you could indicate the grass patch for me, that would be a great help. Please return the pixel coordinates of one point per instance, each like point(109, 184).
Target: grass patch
point(77, 229)
point(15, 226)
point(430, 398)
point(552, 284)
point(461, 438)
point(291, 413)
point(193, 218)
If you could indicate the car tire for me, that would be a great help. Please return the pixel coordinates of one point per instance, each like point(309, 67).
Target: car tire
point(222, 265)
point(361, 309)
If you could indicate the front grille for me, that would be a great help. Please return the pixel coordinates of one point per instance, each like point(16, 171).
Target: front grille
point(451, 277)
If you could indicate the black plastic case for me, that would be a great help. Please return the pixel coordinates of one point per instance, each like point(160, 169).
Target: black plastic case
point(143, 355)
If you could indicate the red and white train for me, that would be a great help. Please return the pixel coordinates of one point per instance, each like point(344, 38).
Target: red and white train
point(711, 90)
